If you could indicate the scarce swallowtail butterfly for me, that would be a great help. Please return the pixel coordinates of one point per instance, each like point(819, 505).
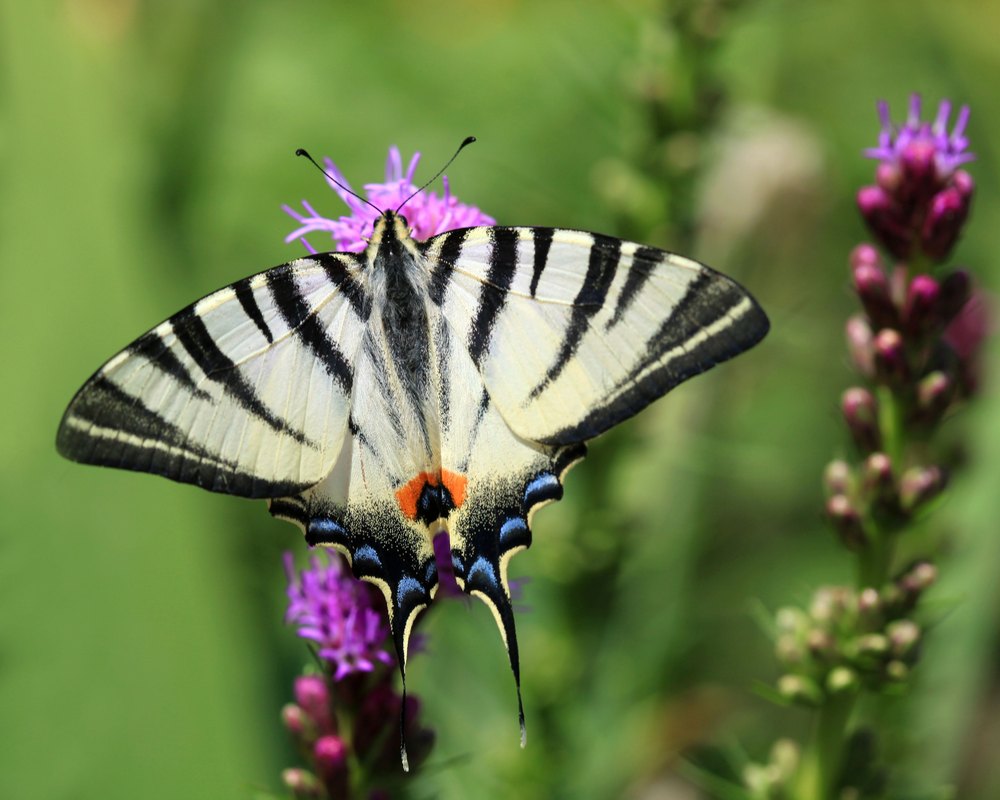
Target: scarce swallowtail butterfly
point(378, 399)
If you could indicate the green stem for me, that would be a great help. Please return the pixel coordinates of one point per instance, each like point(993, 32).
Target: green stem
point(822, 760)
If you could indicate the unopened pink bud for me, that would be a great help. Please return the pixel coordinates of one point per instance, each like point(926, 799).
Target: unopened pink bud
point(963, 181)
point(918, 163)
point(837, 477)
point(943, 224)
point(920, 311)
point(861, 415)
point(312, 694)
point(872, 287)
point(890, 357)
point(865, 253)
point(846, 522)
point(919, 485)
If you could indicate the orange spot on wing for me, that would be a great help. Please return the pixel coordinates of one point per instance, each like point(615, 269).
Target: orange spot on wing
point(408, 495)
point(455, 484)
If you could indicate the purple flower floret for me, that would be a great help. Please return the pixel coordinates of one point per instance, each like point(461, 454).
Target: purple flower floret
point(427, 213)
point(335, 610)
point(896, 143)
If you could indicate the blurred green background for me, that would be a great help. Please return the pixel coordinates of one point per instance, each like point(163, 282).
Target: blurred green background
point(146, 149)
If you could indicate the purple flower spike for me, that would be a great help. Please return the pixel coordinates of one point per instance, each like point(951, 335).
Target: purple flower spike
point(428, 213)
point(921, 198)
point(337, 611)
point(949, 151)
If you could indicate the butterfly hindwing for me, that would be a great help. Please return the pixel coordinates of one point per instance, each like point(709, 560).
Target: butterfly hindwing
point(246, 392)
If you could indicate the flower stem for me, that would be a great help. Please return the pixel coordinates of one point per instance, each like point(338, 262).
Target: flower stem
point(822, 760)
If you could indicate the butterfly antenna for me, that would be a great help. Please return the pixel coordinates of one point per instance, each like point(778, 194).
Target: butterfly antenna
point(465, 143)
point(305, 154)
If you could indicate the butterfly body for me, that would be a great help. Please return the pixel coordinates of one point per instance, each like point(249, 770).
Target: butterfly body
point(380, 399)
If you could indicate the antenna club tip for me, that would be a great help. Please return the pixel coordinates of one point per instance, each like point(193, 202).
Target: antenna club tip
point(467, 141)
point(301, 151)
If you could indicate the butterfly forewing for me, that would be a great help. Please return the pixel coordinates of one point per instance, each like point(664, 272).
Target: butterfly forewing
point(242, 392)
point(582, 331)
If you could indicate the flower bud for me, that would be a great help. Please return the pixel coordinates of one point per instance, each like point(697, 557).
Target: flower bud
point(872, 288)
point(903, 636)
point(963, 181)
point(934, 394)
point(837, 477)
point(874, 643)
point(869, 603)
point(918, 579)
point(846, 522)
point(861, 415)
point(897, 671)
point(890, 357)
point(884, 219)
point(878, 474)
point(841, 680)
point(920, 485)
point(788, 650)
point(943, 224)
point(829, 603)
point(302, 784)
point(330, 755)
point(917, 163)
point(889, 177)
point(820, 643)
point(920, 310)
point(859, 344)
point(297, 722)
point(865, 253)
point(313, 696)
point(800, 689)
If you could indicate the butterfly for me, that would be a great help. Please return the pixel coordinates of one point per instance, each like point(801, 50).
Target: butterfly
point(380, 399)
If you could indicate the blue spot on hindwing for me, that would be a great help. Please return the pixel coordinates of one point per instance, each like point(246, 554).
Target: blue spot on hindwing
point(409, 592)
point(511, 530)
point(324, 530)
point(366, 560)
point(544, 486)
point(482, 569)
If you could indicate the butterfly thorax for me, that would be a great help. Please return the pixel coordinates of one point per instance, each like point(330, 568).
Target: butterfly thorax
point(399, 333)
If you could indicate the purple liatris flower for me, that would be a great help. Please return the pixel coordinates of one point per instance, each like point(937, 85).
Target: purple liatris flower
point(921, 141)
point(427, 213)
point(339, 613)
point(921, 198)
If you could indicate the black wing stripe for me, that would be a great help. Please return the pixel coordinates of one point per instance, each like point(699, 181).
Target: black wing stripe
point(605, 255)
point(244, 293)
point(152, 348)
point(298, 317)
point(644, 264)
point(543, 241)
point(493, 291)
point(198, 342)
point(338, 273)
point(709, 299)
point(451, 251)
point(113, 418)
